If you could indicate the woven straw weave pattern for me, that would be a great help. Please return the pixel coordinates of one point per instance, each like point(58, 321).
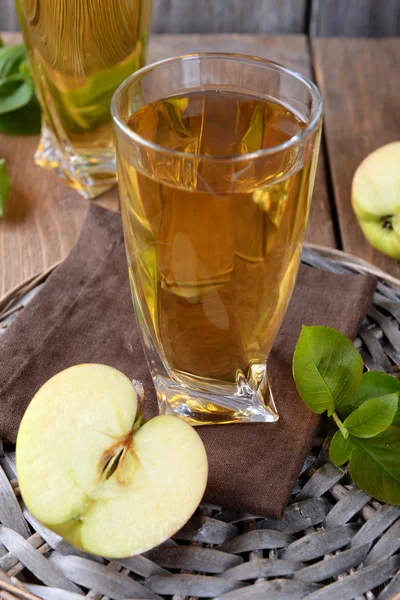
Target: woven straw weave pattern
point(334, 542)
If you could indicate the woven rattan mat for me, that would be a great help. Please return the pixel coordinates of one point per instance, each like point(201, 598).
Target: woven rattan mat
point(334, 542)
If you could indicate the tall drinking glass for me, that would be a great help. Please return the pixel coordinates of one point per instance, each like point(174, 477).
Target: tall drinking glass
point(80, 51)
point(216, 159)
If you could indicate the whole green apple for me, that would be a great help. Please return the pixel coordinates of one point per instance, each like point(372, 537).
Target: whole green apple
point(90, 471)
point(375, 198)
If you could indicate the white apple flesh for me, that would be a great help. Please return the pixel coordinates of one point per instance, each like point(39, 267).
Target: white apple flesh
point(376, 198)
point(86, 473)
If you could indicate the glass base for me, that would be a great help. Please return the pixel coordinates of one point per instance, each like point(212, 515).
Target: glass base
point(205, 403)
point(89, 175)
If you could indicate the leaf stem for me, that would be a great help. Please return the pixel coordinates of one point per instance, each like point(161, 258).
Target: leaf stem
point(339, 423)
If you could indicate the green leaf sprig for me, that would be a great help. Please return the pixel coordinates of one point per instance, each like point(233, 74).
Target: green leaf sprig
point(328, 371)
point(19, 107)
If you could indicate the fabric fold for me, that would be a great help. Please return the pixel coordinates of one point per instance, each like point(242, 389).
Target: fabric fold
point(84, 313)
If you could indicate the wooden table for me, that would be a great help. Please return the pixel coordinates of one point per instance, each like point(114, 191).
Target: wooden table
point(359, 82)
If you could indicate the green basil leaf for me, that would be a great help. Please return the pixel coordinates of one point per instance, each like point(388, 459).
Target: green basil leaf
point(5, 185)
point(327, 368)
point(375, 465)
point(10, 59)
point(373, 384)
point(340, 449)
point(1, 42)
point(24, 121)
point(15, 92)
point(372, 417)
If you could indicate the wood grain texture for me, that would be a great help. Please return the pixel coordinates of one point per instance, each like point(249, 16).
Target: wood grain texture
point(221, 16)
point(207, 16)
point(359, 81)
point(8, 16)
point(355, 18)
point(321, 17)
point(43, 215)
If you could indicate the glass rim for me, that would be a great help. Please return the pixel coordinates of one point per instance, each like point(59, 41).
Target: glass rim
point(244, 58)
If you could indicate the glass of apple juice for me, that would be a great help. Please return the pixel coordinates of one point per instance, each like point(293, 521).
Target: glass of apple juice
point(216, 157)
point(79, 52)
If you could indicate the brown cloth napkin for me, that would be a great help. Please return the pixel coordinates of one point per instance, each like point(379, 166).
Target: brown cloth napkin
point(84, 313)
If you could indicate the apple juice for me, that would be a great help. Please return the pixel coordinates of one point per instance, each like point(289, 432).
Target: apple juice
point(80, 52)
point(214, 236)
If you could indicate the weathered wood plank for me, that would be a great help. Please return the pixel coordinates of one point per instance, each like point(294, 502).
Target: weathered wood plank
point(355, 18)
point(221, 16)
point(44, 216)
point(326, 17)
point(8, 16)
point(11, 37)
point(210, 16)
point(356, 77)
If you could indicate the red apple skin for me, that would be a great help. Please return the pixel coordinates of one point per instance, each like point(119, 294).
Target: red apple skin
point(375, 198)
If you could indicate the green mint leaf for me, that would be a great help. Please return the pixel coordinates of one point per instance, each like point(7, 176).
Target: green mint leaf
point(24, 121)
point(327, 368)
point(372, 417)
point(89, 106)
point(340, 449)
point(373, 384)
point(10, 59)
point(10, 82)
point(15, 92)
point(375, 465)
point(5, 185)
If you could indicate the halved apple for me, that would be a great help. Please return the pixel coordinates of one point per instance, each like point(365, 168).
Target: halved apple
point(89, 472)
point(376, 198)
